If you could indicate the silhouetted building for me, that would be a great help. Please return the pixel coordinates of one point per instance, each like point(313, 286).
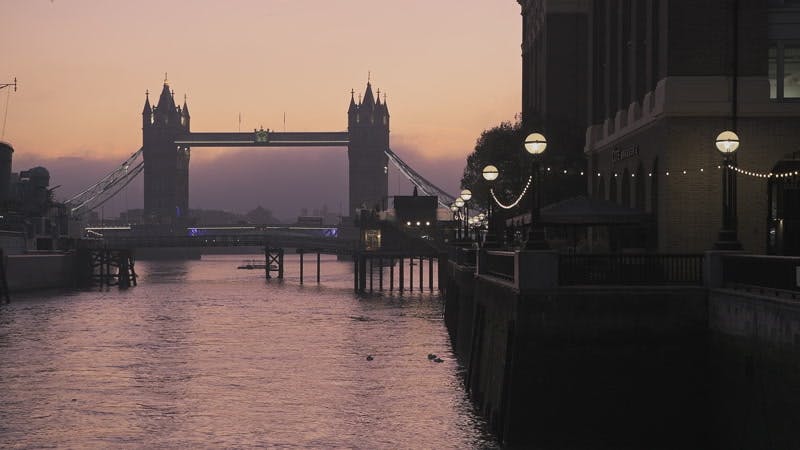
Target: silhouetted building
point(166, 169)
point(554, 99)
point(368, 127)
point(664, 79)
point(416, 211)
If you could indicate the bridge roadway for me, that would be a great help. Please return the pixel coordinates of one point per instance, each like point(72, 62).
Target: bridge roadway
point(327, 245)
point(263, 138)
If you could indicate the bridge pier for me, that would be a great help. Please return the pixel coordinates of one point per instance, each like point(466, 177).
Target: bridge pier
point(109, 267)
point(273, 256)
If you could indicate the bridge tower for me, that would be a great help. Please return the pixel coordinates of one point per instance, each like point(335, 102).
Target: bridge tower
point(166, 169)
point(368, 127)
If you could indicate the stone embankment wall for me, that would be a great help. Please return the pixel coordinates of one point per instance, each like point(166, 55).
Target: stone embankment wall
point(40, 271)
point(571, 365)
point(628, 367)
point(754, 368)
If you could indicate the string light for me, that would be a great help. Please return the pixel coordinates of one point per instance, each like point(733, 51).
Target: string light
point(527, 185)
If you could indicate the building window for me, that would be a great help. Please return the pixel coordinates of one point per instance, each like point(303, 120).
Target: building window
point(784, 70)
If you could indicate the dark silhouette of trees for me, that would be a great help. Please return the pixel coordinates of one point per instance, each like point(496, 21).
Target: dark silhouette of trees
point(501, 146)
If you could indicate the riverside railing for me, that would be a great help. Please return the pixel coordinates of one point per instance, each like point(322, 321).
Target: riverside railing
point(625, 269)
point(501, 264)
point(761, 271)
point(463, 256)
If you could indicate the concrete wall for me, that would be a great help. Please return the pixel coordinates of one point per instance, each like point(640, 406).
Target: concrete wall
point(12, 243)
point(29, 272)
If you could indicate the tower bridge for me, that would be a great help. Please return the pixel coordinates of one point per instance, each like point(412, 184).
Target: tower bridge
point(167, 140)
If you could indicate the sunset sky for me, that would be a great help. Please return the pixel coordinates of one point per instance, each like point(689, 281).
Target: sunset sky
point(450, 68)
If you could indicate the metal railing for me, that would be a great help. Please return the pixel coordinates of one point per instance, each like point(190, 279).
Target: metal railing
point(500, 264)
point(770, 272)
point(463, 256)
point(623, 269)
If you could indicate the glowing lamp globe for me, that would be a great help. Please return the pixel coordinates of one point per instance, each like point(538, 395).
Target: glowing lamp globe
point(453, 208)
point(466, 194)
point(459, 202)
point(490, 173)
point(727, 142)
point(535, 143)
point(481, 216)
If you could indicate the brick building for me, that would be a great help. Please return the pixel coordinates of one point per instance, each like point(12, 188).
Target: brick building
point(663, 79)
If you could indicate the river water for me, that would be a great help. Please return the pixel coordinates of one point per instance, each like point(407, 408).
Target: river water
point(201, 354)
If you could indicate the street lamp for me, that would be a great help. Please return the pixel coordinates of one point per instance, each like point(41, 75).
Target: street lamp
point(454, 208)
point(727, 142)
point(465, 196)
point(490, 173)
point(535, 144)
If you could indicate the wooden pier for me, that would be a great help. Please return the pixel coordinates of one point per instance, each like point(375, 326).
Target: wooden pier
point(366, 264)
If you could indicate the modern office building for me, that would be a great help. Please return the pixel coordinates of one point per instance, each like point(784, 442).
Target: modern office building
point(663, 79)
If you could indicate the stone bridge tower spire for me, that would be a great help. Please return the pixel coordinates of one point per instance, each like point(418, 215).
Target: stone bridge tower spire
point(368, 127)
point(166, 169)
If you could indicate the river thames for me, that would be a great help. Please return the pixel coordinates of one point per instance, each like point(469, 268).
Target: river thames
point(201, 354)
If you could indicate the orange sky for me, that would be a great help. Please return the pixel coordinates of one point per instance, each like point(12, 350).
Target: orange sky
point(451, 68)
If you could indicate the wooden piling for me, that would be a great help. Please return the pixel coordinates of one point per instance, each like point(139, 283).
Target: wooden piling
point(370, 274)
point(411, 273)
point(355, 272)
point(430, 273)
point(318, 270)
point(421, 283)
point(401, 273)
point(362, 273)
point(380, 274)
point(391, 274)
point(301, 265)
point(3, 279)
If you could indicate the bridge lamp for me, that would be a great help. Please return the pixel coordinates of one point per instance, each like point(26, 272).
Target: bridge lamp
point(535, 144)
point(466, 194)
point(727, 142)
point(459, 203)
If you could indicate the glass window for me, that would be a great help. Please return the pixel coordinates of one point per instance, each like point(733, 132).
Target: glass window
point(791, 71)
point(784, 70)
point(773, 71)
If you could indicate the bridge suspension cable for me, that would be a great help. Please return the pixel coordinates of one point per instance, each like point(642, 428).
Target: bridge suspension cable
point(97, 194)
point(427, 188)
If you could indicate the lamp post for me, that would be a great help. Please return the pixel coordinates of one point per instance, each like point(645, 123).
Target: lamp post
point(535, 144)
point(454, 208)
point(490, 173)
point(727, 142)
point(459, 204)
point(465, 196)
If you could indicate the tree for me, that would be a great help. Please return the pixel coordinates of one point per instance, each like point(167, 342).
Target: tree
point(501, 146)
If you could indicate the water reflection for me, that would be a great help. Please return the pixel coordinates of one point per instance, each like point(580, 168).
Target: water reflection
point(201, 354)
